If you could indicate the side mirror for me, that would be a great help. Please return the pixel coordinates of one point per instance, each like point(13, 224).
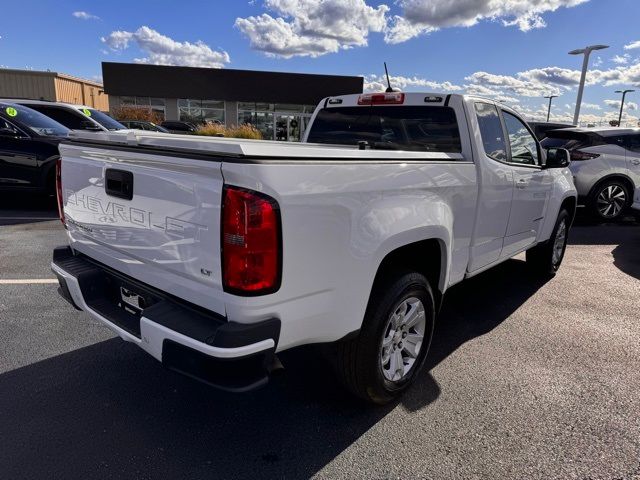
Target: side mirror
point(87, 125)
point(557, 158)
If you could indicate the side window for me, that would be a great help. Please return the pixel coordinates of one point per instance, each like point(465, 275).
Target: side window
point(524, 149)
point(491, 131)
point(633, 143)
point(6, 125)
point(63, 116)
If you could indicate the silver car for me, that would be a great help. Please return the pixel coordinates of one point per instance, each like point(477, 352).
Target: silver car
point(605, 163)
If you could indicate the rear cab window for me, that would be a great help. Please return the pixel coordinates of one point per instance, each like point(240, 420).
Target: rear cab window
point(406, 127)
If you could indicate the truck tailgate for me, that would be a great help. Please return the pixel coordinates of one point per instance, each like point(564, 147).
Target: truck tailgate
point(153, 217)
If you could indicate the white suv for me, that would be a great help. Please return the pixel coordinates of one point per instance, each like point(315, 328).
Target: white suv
point(605, 163)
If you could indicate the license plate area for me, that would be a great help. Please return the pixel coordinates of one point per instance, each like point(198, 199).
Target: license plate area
point(117, 300)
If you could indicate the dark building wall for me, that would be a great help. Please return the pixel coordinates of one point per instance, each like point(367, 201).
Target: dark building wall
point(126, 79)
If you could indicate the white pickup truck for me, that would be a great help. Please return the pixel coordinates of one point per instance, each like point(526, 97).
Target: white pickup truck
point(215, 254)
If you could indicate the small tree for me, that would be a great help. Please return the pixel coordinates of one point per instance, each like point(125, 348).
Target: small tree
point(130, 112)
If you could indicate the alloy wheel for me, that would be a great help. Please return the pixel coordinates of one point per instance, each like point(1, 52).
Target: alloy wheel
point(611, 200)
point(402, 339)
point(559, 242)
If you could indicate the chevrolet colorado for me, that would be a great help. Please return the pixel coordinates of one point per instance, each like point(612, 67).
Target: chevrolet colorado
point(215, 254)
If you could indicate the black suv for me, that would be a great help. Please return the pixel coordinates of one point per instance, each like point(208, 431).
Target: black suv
point(179, 127)
point(28, 149)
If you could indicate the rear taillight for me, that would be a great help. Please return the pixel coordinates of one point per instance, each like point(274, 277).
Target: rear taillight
point(251, 252)
point(59, 191)
point(578, 155)
point(393, 98)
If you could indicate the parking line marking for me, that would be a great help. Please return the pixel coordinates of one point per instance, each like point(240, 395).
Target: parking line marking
point(27, 281)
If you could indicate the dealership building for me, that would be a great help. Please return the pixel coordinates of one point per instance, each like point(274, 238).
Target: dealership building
point(278, 104)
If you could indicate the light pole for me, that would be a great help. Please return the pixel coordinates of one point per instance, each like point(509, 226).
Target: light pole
point(624, 94)
point(550, 97)
point(585, 63)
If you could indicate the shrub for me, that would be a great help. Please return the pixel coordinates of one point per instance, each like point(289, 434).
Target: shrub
point(130, 112)
point(234, 131)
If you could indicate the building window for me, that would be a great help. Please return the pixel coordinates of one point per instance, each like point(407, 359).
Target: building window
point(157, 105)
point(283, 122)
point(198, 111)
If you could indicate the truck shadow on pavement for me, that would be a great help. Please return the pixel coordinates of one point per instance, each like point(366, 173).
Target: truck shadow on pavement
point(110, 411)
point(624, 240)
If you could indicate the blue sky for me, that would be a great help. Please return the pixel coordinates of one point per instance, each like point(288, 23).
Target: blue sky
point(515, 50)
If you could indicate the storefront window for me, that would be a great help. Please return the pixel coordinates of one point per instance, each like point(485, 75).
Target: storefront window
point(284, 122)
point(191, 110)
point(156, 104)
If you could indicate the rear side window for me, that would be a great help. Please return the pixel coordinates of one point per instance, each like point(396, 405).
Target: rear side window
point(415, 128)
point(571, 140)
point(491, 131)
point(74, 121)
point(633, 143)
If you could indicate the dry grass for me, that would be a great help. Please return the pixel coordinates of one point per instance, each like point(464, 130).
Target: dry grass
point(234, 131)
point(127, 112)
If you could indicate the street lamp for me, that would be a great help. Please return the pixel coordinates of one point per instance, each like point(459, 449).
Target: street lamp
point(585, 63)
point(550, 97)
point(624, 94)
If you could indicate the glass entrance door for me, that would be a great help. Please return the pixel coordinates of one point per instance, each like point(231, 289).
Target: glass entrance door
point(290, 127)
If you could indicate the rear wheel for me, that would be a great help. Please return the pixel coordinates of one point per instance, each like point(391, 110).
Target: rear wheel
point(394, 341)
point(545, 258)
point(609, 200)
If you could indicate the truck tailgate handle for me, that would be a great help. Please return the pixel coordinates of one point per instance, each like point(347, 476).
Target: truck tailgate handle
point(118, 183)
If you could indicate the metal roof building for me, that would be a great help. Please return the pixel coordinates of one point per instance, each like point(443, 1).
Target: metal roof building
point(52, 86)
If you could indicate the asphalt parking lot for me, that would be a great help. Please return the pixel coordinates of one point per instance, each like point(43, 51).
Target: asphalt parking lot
point(526, 379)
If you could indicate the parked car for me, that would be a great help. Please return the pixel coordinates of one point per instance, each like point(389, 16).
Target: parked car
point(179, 127)
point(636, 200)
point(74, 117)
point(541, 128)
point(605, 163)
point(28, 149)
point(228, 251)
point(143, 125)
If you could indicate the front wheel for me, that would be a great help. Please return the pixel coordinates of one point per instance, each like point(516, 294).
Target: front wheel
point(546, 257)
point(394, 340)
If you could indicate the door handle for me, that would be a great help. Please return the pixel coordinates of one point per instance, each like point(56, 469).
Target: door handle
point(635, 161)
point(522, 183)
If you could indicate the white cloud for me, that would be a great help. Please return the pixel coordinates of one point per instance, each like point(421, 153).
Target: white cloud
point(621, 59)
point(588, 106)
point(85, 16)
point(378, 83)
point(312, 28)
point(424, 16)
point(615, 104)
point(518, 85)
point(162, 50)
point(632, 45)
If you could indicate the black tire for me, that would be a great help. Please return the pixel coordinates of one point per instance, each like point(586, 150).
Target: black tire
point(600, 202)
point(541, 258)
point(358, 360)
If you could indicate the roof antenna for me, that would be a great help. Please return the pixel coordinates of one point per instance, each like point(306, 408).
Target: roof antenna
point(389, 89)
